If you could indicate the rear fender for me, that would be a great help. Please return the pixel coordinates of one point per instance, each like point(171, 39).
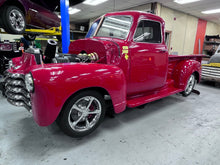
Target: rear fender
point(56, 83)
point(183, 70)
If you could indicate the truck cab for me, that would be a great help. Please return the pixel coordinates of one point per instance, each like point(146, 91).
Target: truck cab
point(123, 62)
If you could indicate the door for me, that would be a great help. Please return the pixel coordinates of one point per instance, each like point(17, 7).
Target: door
point(148, 58)
point(41, 14)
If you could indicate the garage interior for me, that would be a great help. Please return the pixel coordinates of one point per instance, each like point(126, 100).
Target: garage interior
point(174, 130)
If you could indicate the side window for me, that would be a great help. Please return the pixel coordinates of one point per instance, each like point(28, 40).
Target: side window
point(148, 31)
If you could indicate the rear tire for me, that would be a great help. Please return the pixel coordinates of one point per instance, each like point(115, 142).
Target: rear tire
point(190, 85)
point(82, 114)
point(13, 20)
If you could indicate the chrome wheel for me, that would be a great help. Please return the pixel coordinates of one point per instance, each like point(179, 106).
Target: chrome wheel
point(85, 114)
point(190, 85)
point(17, 20)
point(82, 113)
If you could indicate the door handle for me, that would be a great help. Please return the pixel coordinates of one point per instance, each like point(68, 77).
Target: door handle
point(162, 50)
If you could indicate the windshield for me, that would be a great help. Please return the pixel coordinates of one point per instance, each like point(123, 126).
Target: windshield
point(115, 27)
point(92, 29)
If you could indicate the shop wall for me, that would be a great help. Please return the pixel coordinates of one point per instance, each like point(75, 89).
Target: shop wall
point(146, 7)
point(9, 37)
point(212, 29)
point(182, 27)
point(200, 36)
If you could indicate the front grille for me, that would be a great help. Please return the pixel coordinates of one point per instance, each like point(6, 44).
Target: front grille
point(16, 91)
point(211, 73)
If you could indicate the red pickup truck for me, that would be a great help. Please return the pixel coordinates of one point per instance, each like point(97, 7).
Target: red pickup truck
point(124, 62)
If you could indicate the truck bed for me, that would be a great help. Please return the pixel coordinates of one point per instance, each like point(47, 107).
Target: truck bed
point(175, 59)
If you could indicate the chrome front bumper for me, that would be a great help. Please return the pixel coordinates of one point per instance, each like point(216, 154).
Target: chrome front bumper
point(211, 73)
point(16, 91)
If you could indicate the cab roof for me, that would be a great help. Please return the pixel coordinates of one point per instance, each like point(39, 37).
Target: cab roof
point(136, 14)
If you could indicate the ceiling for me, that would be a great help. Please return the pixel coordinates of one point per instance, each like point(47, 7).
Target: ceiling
point(88, 12)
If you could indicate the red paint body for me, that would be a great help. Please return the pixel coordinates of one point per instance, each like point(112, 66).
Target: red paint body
point(147, 74)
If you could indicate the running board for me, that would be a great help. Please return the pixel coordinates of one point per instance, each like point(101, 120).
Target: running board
point(135, 102)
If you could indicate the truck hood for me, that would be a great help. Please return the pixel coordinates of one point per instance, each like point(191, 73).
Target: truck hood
point(108, 52)
point(106, 49)
point(22, 64)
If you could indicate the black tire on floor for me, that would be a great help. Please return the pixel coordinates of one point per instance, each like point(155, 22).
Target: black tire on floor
point(30, 37)
point(190, 85)
point(78, 118)
point(17, 23)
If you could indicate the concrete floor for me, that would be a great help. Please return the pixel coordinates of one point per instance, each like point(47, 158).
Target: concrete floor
point(171, 131)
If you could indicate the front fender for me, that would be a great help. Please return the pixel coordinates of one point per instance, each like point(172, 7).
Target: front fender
point(55, 83)
point(183, 70)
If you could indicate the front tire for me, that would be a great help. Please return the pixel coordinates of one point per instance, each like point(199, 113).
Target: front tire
point(190, 85)
point(13, 20)
point(82, 114)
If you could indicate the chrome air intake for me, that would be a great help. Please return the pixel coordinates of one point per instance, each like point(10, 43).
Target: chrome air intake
point(16, 91)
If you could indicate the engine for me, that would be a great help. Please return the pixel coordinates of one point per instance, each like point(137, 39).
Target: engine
point(50, 55)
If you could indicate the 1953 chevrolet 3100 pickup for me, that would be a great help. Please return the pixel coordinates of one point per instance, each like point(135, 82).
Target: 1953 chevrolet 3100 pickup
point(123, 61)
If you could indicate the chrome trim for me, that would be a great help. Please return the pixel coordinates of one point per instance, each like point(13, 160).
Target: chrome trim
point(16, 91)
point(81, 117)
point(15, 83)
point(15, 75)
point(210, 68)
point(17, 97)
point(19, 104)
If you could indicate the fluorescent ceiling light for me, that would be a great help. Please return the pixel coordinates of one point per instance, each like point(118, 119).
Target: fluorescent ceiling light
point(73, 10)
point(211, 11)
point(185, 1)
point(94, 2)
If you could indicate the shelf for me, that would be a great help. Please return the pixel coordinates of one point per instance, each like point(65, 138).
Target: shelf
point(78, 32)
point(212, 43)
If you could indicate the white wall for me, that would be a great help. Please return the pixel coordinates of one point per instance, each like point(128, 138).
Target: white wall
point(212, 28)
point(183, 27)
point(9, 37)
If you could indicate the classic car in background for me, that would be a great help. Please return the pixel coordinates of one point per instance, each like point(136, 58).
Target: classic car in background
point(17, 15)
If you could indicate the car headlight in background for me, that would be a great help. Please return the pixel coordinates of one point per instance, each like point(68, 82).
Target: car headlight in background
point(29, 82)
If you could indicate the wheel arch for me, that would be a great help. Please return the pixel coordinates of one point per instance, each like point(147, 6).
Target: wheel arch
point(196, 73)
point(17, 4)
point(100, 90)
point(183, 70)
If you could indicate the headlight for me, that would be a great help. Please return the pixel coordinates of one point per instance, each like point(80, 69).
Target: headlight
point(29, 82)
